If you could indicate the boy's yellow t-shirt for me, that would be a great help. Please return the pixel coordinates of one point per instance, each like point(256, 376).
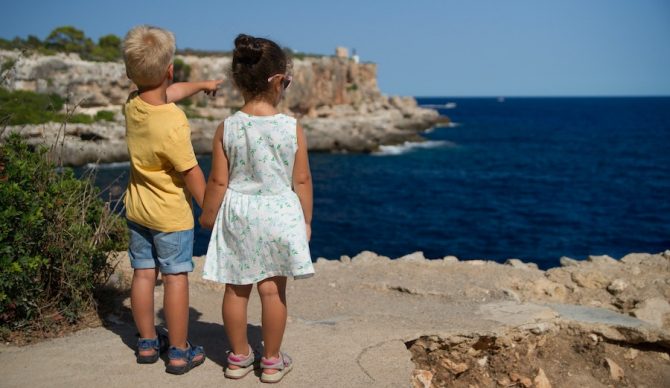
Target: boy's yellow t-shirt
point(159, 145)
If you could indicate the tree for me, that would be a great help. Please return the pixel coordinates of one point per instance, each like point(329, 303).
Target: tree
point(108, 48)
point(69, 39)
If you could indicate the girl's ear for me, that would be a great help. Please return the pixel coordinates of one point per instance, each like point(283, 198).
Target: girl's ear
point(277, 85)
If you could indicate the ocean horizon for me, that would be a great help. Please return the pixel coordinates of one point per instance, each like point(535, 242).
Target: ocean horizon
point(534, 178)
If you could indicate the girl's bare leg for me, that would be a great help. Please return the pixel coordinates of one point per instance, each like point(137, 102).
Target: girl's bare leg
point(234, 311)
point(273, 299)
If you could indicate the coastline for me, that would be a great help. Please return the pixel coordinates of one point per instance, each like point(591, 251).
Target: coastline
point(337, 101)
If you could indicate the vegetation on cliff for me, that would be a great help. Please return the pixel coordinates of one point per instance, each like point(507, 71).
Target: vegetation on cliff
point(68, 39)
point(20, 107)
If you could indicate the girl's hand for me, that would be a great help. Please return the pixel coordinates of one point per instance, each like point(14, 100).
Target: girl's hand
point(206, 222)
point(308, 227)
point(212, 86)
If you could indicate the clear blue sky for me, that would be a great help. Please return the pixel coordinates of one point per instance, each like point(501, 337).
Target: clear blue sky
point(425, 48)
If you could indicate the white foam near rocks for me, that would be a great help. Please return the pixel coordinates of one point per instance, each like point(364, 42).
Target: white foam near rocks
point(408, 146)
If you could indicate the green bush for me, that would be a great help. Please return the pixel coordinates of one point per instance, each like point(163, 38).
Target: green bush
point(181, 70)
point(25, 107)
point(104, 115)
point(55, 235)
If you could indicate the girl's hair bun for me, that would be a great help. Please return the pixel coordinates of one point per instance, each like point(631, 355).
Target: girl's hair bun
point(248, 49)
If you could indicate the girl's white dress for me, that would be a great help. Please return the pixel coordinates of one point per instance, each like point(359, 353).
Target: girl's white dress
point(260, 228)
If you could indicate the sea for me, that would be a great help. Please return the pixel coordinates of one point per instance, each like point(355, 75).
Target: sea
point(528, 178)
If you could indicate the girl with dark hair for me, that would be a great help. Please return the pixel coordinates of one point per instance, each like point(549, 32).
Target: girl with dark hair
point(258, 202)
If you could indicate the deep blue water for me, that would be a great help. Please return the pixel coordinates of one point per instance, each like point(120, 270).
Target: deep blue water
point(532, 178)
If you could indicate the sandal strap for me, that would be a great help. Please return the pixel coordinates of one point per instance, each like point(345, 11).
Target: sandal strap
point(148, 343)
point(241, 360)
point(278, 363)
point(187, 354)
point(160, 342)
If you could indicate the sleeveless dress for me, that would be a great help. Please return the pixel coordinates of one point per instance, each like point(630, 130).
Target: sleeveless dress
point(259, 230)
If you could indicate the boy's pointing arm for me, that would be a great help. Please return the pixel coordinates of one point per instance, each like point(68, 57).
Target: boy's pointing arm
point(180, 90)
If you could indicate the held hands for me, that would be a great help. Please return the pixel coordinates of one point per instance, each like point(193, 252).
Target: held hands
point(206, 222)
point(210, 87)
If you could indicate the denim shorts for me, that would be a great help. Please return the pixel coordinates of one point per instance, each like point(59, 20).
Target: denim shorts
point(171, 252)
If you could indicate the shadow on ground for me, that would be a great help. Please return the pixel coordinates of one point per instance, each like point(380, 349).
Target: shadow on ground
point(118, 319)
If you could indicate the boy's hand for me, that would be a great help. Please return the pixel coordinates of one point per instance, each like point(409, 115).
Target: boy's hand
point(212, 86)
point(206, 223)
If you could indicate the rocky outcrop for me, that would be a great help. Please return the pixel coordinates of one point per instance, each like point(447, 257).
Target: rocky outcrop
point(337, 101)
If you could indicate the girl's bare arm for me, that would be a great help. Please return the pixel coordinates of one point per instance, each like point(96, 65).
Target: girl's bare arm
point(302, 179)
point(217, 182)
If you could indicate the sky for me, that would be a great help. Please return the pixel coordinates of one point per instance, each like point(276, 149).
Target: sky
point(422, 47)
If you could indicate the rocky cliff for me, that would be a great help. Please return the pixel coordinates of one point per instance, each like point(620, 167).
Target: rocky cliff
point(337, 101)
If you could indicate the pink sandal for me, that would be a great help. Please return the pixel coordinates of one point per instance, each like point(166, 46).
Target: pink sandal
point(244, 362)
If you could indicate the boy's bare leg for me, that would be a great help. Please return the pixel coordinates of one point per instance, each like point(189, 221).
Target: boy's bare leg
point(175, 305)
point(234, 311)
point(273, 300)
point(142, 303)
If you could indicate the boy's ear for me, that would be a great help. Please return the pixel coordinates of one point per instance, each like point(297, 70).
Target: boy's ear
point(170, 72)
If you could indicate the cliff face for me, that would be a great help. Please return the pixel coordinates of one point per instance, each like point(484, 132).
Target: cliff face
point(318, 82)
point(337, 101)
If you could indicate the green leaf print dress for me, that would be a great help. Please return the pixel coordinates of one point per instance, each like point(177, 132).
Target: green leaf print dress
point(260, 228)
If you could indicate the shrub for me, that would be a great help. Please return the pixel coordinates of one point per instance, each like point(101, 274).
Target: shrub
point(20, 107)
point(181, 70)
point(78, 118)
point(55, 233)
point(104, 115)
point(25, 107)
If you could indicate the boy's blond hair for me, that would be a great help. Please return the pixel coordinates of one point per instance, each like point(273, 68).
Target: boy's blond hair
point(148, 52)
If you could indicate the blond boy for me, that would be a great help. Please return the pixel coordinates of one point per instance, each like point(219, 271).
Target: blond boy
point(164, 177)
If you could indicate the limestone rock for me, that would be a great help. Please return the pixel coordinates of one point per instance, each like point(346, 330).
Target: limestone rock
point(616, 373)
point(421, 378)
point(541, 380)
point(631, 354)
point(366, 257)
point(416, 256)
point(589, 279)
point(450, 259)
point(617, 286)
point(568, 262)
point(523, 380)
point(635, 258)
point(516, 263)
point(455, 368)
point(654, 310)
point(546, 287)
point(602, 259)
